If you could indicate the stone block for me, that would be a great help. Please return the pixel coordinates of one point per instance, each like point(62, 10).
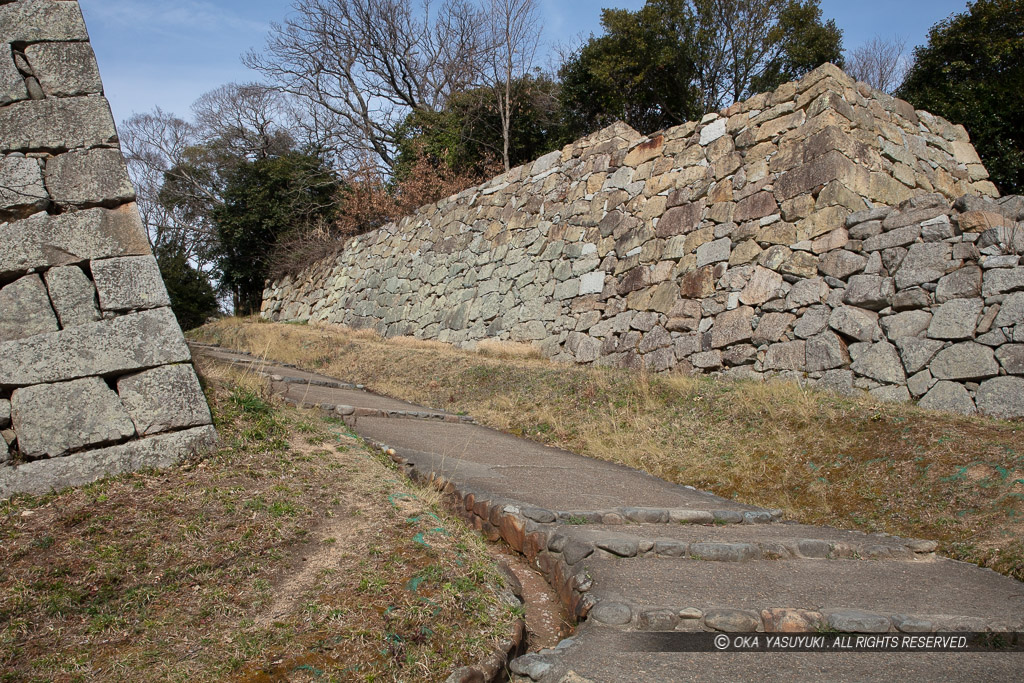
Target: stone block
point(826, 351)
point(964, 283)
point(164, 399)
point(949, 396)
point(785, 356)
point(842, 264)
point(21, 187)
point(30, 21)
point(713, 252)
point(54, 419)
point(916, 353)
point(762, 286)
point(732, 327)
point(56, 124)
point(813, 321)
point(1011, 357)
point(807, 293)
point(1001, 397)
point(592, 283)
point(963, 362)
point(43, 241)
point(855, 323)
point(73, 296)
point(906, 324)
point(955, 319)
point(757, 205)
point(133, 282)
point(772, 327)
point(12, 83)
point(870, 291)
point(818, 173)
point(25, 309)
point(130, 342)
point(891, 393)
point(65, 69)
point(1011, 311)
point(881, 362)
point(42, 476)
point(895, 238)
point(89, 177)
point(800, 264)
point(1003, 280)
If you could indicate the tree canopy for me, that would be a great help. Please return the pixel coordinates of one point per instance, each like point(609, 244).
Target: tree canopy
point(674, 60)
point(971, 72)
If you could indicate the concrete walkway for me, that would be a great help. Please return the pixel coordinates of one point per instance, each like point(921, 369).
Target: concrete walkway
point(648, 566)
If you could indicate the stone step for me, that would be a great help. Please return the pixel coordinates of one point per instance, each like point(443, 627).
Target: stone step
point(739, 542)
point(843, 595)
point(504, 466)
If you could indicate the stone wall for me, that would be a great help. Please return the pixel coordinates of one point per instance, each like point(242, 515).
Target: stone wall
point(824, 232)
point(95, 376)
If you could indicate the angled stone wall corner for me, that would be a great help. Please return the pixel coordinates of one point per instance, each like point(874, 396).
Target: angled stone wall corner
point(95, 375)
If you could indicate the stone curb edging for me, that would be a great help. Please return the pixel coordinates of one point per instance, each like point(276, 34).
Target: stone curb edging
point(786, 620)
point(618, 546)
point(352, 411)
point(646, 515)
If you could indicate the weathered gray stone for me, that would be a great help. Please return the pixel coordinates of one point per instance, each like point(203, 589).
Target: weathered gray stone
point(21, 187)
point(841, 263)
point(706, 360)
point(955, 319)
point(917, 353)
point(623, 546)
point(163, 399)
point(906, 324)
point(25, 309)
point(881, 362)
point(807, 293)
point(920, 383)
point(54, 419)
point(732, 327)
point(785, 356)
point(531, 665)
point(909, 299)
point(1011, 357)
point(856, 621)
point(65, 69)
point(1003, 280)
point(592, 283)
point(895, 238)
point(1011, 311)
point(44, 240)
point(762, 286)
point(36, 20)
point(5, 414)
point(731, 620)
point(163, 450)
point(856, 323)
point(870, 291)
point(576, 550)
point(129, 283)
point(56, 124)
point(812, 322)
point(949, 396)
point(891, 393)
point(12, 83)
point(838, 381)
point(773, 327)
point(1001, 397)
point(713, 252)
point(924, 262)
point(608, 612)
point(131, 342)
point(89, 177)
point(826, 352)
point(964, 361)
point(73, 296)
point(964, 283)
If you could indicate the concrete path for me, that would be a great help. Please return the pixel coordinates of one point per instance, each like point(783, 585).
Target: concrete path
point(650, 568)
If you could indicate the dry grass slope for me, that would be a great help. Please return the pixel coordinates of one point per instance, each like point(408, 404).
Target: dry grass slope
point(824, 459)
point(293, 553)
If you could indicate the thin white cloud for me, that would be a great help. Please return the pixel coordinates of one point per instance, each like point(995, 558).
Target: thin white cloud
point(183, 15)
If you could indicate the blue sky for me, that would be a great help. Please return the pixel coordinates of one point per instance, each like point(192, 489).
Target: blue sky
point(154, 53)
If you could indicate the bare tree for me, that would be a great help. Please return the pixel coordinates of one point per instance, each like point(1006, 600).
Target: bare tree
point(881, 63)
point(361, 66)
point(159, 148)
point(247, 120)
point(515, 34)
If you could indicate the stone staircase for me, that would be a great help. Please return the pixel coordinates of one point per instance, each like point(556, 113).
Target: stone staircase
point(628, 553)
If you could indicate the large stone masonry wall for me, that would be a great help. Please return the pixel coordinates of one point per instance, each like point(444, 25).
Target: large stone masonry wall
point(95, 376)
point(824, 232)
